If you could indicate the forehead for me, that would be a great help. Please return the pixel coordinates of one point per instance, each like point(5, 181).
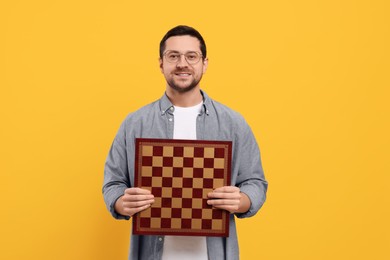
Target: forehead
point(182, 43)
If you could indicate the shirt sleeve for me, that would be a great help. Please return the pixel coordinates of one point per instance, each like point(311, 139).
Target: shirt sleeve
point(250, 179)
point(116, 176)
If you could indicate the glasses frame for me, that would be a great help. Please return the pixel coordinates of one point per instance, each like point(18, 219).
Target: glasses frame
point(183, 54)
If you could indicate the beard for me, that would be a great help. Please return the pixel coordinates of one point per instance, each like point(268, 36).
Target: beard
point(183, 89)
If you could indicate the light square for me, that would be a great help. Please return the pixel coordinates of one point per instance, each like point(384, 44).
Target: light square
point(207, 214)
point(155, 222)
point(166, 192)
point(188, 172)
point(208, 173)
point(186, 213)
point(178, 162)
point(217, 183)
point(219, 163)
point(187, 193)
point(216, 224)
point(197, 183)
point(147, 171)
point(146, 213)
point(166, 212)
point(208, 152)
point(206, 191)
point(198, 163)
point(189, 152)
point(167, 172)
point(168, 151)
point(156, 181)
point(175, 223)
point(177, 182)
point(157, 161)
point(176, 203)
point(157, 202)
point(196, 223)
point(197, 203)
point(147, 150)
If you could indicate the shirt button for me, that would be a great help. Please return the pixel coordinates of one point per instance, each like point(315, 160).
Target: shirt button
point(160, 239)
point(170, 119)
point(171, 108)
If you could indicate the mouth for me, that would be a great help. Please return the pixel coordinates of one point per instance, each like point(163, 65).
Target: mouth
point(182, 74)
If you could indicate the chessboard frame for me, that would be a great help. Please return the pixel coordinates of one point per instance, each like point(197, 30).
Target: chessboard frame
point(208, 221)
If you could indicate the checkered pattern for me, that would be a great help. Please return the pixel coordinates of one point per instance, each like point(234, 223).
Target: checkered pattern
point(180, 174)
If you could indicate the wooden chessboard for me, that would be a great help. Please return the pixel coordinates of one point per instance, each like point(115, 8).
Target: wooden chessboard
point(180, 174)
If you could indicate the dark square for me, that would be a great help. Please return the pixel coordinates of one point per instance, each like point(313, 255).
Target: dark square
point(186, 203)
point(198, 151)
point(197, 193)
point(178, 151)
point(177, 192)
point(155, 212)
point(166, 202)
point(206, 223)
point(147, 160)
point(167, 181)
point(165, 223)
point(217, 214)
point(188, 162)
point(208, 163)
point(177, 172)
point(198, 173)
point(176, 213)
point(204, 204)
point(186, 223)
point(144, 222)
point(146, 181)
point(207, 183)
point(157, 171)
point(156, 191)
point(168, 161)
point(187, 182)
point(219, 153)
point(218, 173)
point(196, 213)
point(157, 150)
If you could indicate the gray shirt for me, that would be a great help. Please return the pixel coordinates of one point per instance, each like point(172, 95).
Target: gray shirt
point(215, 122)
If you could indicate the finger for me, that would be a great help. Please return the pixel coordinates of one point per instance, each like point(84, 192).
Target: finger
point(136, 191)
point(230, 208)
point(128, 197)
point(227, 189)
point(132, 211)
point(137, 204)
point(221, 195)
point(220, 202)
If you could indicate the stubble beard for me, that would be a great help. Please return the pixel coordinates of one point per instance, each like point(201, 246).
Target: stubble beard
point(180, 89)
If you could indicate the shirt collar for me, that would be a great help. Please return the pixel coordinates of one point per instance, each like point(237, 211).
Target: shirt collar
point(167, 106)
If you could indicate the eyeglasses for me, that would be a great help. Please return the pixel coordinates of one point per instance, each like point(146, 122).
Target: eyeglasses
point(192, 57)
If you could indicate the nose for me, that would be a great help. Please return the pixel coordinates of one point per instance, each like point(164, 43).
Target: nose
point(182, 61)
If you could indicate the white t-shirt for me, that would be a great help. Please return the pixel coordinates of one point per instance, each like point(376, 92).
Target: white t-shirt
point(182, 247)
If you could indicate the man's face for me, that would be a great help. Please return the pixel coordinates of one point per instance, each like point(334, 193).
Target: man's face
point(182, 76)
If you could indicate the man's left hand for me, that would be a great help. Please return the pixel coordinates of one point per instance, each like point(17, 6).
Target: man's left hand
point(229, 198)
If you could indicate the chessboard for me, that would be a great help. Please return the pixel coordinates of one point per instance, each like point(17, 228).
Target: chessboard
point(180, 174)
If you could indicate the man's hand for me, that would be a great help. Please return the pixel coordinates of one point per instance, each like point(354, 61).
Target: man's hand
point(229, 198)
point(133, 201)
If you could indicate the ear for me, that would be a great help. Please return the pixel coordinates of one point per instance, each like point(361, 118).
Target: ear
point(161, 64)
point(205, 64)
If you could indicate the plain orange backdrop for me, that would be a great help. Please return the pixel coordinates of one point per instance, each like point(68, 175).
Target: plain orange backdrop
point(310, 77)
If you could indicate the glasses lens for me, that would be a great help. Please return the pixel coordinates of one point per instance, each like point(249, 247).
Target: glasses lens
point(191, 57)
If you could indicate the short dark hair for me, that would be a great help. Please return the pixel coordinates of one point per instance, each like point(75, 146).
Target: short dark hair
point(181, 30)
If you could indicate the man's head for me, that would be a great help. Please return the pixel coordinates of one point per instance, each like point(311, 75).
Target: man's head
point(183, 58)
point(181, 30)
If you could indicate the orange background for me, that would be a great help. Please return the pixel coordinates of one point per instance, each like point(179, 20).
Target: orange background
point(310, 77)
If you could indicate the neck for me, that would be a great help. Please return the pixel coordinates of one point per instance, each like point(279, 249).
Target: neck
point(186, 99)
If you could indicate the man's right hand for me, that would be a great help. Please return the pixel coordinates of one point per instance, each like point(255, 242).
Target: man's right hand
point(133, 201)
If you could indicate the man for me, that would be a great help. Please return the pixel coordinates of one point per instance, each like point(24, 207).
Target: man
point(185, 112)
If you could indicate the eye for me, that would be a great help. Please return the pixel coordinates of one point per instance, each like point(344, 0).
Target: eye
point(192, 56)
